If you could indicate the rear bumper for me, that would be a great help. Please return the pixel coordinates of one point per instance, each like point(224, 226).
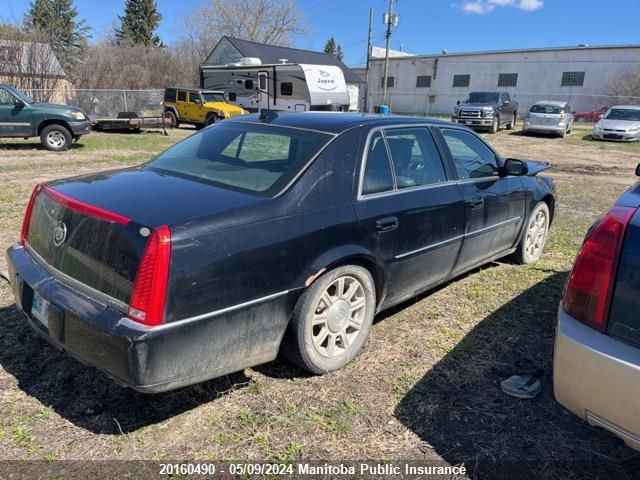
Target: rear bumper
point(598, 378)
point(146, 359)
point(80, 128)
point(531, 127)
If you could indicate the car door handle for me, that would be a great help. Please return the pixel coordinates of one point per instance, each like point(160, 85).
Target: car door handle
point(386, 224)
point(476, 203)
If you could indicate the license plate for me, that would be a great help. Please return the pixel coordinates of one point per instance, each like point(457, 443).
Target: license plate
point(39, 308)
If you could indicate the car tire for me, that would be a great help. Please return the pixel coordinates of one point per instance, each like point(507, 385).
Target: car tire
point(534, 235)
point(173, 119)
point(495, 126)
point(199, 126)
point(331, 320)
point(513, 122)
point(56, 138)
point(211, 119)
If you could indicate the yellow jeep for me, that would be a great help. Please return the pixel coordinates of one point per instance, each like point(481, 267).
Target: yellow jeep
point(197, 106)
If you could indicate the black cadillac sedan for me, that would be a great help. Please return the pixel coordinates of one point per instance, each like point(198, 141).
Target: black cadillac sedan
point(261, 233)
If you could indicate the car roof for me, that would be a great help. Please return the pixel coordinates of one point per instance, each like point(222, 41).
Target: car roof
point(195, 89)
point(557, 103)
point(630, 107)
point(336, 122)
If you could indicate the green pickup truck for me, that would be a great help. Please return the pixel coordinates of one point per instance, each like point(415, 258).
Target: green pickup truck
point(56, 125)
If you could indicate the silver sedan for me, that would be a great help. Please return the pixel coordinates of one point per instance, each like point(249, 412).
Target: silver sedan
point(621, 123)
point(549, 116)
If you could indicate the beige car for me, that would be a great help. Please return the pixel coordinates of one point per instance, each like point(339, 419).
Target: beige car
point(596, 365)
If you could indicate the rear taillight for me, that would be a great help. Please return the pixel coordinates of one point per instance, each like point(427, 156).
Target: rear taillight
point(149, 293)
point(24, 233)
point(588, 294)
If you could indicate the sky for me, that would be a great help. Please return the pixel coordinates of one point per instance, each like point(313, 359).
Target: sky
point(425, 26)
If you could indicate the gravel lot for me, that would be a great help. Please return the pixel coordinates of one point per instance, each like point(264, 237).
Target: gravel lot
point(425, 386)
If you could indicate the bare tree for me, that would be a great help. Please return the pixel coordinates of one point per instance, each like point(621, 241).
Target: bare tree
point(627, 84)
point(273, 22)
point(29, 63)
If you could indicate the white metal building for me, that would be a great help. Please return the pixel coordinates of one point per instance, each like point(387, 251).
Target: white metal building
point(581, 75)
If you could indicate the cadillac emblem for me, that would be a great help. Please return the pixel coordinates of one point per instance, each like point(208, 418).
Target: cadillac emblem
point(59, 234)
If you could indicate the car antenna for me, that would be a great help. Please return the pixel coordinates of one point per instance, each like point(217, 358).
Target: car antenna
point(267, 115)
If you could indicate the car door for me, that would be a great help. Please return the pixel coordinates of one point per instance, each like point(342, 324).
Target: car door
point(494, 204)
point(410, 212)
point(195, 108)
point(15, 121)
point(182, 106)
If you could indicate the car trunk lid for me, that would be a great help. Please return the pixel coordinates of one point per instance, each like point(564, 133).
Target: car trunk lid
point(94, 229)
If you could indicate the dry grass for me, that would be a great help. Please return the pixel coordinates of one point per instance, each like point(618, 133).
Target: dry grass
point(425, 386)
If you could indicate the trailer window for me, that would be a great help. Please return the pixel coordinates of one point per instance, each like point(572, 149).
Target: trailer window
point(286, 88)
point(248, 84)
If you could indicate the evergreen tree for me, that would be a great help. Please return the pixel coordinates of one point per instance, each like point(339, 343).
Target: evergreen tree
point(57, 19)
point(139, 23)
point(330, 46)
point(334, 48)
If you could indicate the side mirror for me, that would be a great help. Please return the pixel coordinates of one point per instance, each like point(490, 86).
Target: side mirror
point(18, 103)
point(458, 102)
point(600, 117)
point(638, 170)
point(513, 166)
point(573, 113)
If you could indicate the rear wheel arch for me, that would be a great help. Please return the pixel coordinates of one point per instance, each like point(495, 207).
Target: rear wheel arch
point(551, 203)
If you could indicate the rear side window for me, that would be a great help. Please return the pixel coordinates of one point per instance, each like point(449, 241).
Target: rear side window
point(182, 96)
point(415, 158)
point(170, 95)
point(260, 159)
point(377, 173)
point(472, 158)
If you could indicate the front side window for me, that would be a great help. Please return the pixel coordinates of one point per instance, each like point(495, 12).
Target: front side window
point(415, 158)
point(260, 159)
point(472, 158)
point(377, 174)
point(195, 98)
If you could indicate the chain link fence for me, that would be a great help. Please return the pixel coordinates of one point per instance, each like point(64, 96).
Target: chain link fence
point(104, 103)
point(429, 103)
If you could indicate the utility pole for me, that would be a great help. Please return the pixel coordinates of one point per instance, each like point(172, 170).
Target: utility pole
point(391, 20)
point(366, 73)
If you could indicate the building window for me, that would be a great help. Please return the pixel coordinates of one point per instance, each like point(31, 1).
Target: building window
point(423, 81)
point(572, 79)
point(286, 88)
point(461, 80)
point(391, 82)
point(507, 79)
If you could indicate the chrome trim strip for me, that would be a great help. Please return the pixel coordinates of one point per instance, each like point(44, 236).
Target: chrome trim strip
point(14, 124)
point(458, 237)
point(75, 284)
point(429, 247)
point(492, 227)
point(140, 326)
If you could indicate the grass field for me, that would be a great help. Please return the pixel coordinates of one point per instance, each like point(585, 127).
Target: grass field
point(425, 386)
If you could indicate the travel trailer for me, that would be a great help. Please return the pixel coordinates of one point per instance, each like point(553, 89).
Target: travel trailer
point(285, 86)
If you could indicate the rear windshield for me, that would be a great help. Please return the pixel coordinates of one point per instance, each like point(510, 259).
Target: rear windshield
point(623, 114)
point(247, 157)
point(546, 109)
